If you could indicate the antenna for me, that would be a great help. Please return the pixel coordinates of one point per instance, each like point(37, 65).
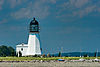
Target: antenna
point(61, 49)
point(97, 53)
point(80, 52)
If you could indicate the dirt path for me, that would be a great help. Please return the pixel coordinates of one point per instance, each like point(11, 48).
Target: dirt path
point(50, 64)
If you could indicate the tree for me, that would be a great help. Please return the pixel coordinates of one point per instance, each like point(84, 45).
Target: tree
point(12, 51)
point(6, 51)
point(95, 54)
point(52, 55)
point(59, 55)
point(85, 55)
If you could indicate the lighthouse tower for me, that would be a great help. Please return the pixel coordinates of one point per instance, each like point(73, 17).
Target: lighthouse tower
point(34, 39)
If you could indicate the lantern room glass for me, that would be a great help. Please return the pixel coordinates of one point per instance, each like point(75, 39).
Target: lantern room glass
point(34, 28)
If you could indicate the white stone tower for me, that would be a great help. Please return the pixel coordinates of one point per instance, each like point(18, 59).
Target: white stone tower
point(34, 39)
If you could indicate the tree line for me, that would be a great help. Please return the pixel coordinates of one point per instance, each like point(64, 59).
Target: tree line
point(10, 51)
point(7, 51)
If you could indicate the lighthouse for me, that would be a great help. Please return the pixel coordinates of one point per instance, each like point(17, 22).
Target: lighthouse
point(34, 39)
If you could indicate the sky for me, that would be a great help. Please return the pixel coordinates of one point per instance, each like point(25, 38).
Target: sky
point(65, 25)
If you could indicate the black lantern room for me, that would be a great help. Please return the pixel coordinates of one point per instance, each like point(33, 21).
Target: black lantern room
point(34, 26)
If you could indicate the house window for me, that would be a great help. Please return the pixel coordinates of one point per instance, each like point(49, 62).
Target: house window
point(21, 49)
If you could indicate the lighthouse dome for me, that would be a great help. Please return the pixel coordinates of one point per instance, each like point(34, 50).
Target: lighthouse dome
point(34, 26)
point(34, 22)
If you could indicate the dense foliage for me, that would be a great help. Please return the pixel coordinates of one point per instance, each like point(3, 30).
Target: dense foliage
point(6, 51)
point(59, 55)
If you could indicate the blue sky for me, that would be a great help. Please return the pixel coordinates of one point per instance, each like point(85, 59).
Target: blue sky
point(68, 24)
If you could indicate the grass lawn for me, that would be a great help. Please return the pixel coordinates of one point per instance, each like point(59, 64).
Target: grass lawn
point(38, 58)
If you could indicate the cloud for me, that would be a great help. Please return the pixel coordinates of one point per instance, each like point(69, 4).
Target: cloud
point(74, 4)
point(1, 3)
point(17, 28)
point(3, 21)
point(37, 9)
point(78, 3)
point(73, 29)
point(14, 3)
point(70, 9)
point(86, 11)
point(53, 1)
point(76, 9)
point(48, 1)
